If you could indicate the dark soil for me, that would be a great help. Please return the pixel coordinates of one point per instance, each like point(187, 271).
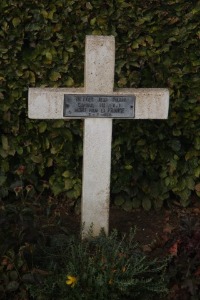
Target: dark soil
point(151, 226)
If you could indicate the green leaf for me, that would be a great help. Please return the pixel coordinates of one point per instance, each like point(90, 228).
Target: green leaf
point(57, 188)
point(44, 13)
point(73, 194)
point(175, 145)
point(89, 6)
point(13, 275)
point(4, 140)
point(50, 14)
point(37, 158)
point(48, 55)
point(70, 50)
point(42, 127)
point(2, 179)
point(78, 207)
point(12, 286)
point(31, 77)
point(58, 124)
point(136, 202)
point(158, 203)
point(167, 181)
point(190, 183)
point(93, 21)
point(128, 167)
point(135, 45)
point(146, 203)
point(119, 200)
point(3, 153)
point(69, 82)
point(68, 183)
point(20, 150)
point(54, 150)
point(185, 197)
point(141, 142)
point(54, 76)
point(66, 174)
point(127, 205)
point(16, 22)
point(197, 172)
point(65, 57)
point(49, 162)
point(197, 143)
point(122, 82)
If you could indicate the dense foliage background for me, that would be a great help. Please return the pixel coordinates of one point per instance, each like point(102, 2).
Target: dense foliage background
point(157, 45)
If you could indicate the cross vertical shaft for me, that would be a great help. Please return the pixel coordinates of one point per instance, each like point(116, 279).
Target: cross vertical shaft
point(82, 103)
point(99, 79)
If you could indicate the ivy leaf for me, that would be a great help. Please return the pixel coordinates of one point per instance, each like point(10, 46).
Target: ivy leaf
point(93, 21)
point(197, 143)
point(5, 142)
point(69, 82)
point(141, 142)
point(127, 205)
point(73, 194)
point(119, 200)
point(2, 179)
point(136, 202)
point(42, 127)
point(54, 76)
point(66, 174)
point(16, 22)
point(128, 167)
point(146, 203)
point(197, 172)
point(68, 184)
point(13, 275)
point(12, 286)
point(37, 158)
point(49, 162)
point(48, 55)
point(175, 145)
point(58, 123)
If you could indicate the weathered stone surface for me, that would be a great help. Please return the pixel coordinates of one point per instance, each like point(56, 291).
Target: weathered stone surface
point(99, 79)
point(48, 103)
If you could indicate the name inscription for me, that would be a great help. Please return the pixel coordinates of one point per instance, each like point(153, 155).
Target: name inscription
point(99, 106)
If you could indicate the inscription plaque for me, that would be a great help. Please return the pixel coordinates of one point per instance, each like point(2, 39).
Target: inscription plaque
point(99, 106)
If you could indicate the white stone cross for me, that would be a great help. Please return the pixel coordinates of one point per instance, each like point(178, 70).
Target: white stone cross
point(48, 103)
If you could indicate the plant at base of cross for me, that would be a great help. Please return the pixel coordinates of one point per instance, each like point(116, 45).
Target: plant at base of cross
point(184, 268)
point(13, 271)
point(102, 268)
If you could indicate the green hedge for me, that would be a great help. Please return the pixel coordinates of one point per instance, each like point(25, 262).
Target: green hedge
point(157, 45)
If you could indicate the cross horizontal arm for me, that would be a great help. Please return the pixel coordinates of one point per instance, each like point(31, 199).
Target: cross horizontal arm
point(47, 103)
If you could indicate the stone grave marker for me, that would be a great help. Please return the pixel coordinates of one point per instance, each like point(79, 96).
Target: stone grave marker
point(97, 103)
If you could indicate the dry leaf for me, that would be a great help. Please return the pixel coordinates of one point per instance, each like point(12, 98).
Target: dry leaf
point(168, 228)
point(146, 248)
point(173, 250)
point(41, 272)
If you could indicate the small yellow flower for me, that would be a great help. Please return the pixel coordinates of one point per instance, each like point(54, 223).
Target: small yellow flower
point(71, 280)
